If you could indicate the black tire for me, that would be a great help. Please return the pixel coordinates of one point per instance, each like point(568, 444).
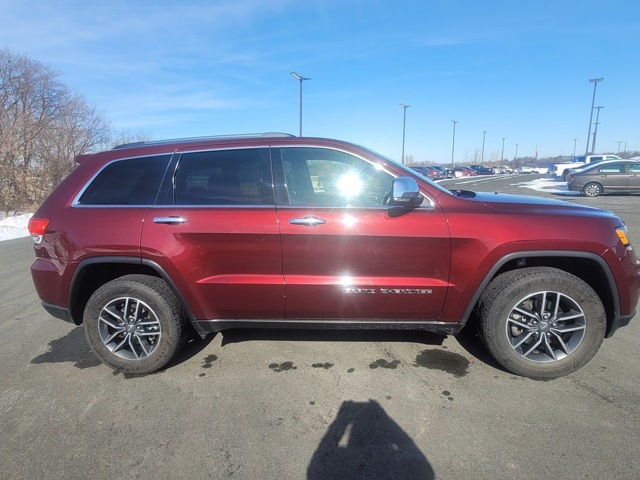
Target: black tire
point(146, 338)
point(520, 327)
point(592, 189)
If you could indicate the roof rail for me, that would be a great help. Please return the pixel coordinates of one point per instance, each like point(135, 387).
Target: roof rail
point(198, 139)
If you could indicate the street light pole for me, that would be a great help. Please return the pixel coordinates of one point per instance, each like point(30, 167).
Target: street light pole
point(620, 142)
point(593, 102)
point(575, 142)
point(453, 143)
point(516, 157)
point(595, 131)
point(300, 79)
point(404, 125)
point(502, 154)
point(484, 134)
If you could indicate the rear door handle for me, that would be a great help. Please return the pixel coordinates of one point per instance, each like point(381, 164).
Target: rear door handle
point(307, 221)
point(170, 220)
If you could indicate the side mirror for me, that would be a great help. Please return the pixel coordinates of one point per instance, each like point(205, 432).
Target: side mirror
point(405, 193)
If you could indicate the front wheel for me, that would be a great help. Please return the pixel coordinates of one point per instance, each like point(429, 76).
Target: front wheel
point(541, 322)
point(135, 324)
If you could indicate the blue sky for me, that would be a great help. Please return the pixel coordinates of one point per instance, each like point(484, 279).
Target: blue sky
point(517, 69)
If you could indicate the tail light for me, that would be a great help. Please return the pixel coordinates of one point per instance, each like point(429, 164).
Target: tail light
point(37, 228)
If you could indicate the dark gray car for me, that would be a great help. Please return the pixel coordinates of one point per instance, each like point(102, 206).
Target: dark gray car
point(606, 177)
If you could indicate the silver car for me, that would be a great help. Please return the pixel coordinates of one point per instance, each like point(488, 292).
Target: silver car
point(606, 177)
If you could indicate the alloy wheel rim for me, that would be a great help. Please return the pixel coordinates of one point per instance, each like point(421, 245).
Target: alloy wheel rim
point(129, 328)
point(545, 327)
point(592, 190)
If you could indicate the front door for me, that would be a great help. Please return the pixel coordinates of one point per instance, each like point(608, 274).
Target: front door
point(346, 255)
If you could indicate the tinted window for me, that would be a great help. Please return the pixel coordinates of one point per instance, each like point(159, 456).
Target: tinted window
point(224, 177)
point(328, 178)
point(633, 168)
point(133, 181)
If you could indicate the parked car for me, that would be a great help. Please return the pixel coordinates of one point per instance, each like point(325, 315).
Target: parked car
point(150, 241)
point(481, 170)
point(437, 174)
point(561, 170)
point(425, 172)
point(443, 171)
point(606, 177)
point(464, 172)
point(502, 169)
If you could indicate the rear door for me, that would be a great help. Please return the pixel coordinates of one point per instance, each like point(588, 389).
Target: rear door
point(634, 176)
point(613, 177)
point(346, 255)
point(217, 236)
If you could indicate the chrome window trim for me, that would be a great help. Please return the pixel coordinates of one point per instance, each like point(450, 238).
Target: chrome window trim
point(429, 205)
point(176, 207)
point(218, 207)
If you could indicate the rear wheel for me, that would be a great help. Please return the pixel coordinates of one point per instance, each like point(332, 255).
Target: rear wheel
point(135, 324)
point(541, 322)
point(592, 189)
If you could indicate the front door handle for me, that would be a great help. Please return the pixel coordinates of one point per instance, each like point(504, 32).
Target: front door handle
point(307, 221)
point(170, 220)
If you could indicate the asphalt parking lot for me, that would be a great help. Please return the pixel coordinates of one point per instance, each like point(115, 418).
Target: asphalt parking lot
point(318, 405)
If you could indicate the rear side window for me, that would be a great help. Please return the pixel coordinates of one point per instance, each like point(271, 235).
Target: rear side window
point(134, 181)
point(615, 168)
point(224, 177)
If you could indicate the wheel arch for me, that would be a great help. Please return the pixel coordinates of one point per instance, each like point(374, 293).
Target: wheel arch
point(96, 271)
point(589, 267)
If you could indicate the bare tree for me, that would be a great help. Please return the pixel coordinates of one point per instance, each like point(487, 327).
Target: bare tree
point(127, 136)
point(43, 126)
point(78, 129)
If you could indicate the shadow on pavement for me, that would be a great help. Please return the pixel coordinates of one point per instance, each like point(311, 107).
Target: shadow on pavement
point(363, 442)
point(71, 348)
point(74, 348)
point(469, 339)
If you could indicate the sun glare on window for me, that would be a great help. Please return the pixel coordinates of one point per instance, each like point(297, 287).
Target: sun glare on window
point(350, 185)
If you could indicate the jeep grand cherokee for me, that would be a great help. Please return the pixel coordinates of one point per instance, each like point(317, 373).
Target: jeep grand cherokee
point(149, 240)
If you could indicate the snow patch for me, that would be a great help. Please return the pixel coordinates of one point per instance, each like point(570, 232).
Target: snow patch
point(14, 227)
point(547, 185)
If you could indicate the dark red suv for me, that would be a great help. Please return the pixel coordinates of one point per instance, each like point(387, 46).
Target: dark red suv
point(146, 241)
